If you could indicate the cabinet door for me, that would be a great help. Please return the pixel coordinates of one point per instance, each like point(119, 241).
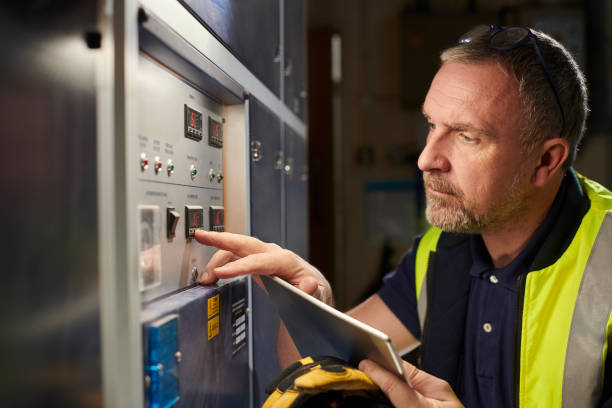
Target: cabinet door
point(296, 190)
point(265, 138)
point(295, 57)
point(250, 29)
point(266, 164)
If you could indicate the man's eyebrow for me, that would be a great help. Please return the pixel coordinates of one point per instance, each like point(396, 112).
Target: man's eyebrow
point(470, 127)
point(465, 126)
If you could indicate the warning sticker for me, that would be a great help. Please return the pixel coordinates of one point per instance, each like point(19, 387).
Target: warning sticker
point(213, 306)
point(213, 327)
point(239, 318)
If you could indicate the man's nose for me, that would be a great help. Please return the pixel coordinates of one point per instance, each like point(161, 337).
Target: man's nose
point(434, 157)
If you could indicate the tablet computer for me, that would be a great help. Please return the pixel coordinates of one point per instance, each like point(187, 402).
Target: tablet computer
point(318, 329)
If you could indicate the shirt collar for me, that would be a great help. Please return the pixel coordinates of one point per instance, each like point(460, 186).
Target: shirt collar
point(482, 266)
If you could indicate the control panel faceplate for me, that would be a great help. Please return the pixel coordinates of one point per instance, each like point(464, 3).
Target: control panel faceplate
point(179, 171)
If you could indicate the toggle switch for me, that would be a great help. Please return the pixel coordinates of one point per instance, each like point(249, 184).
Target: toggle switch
point(158, 165)
point(193, 171)
point(172, 218)
point(144, 162)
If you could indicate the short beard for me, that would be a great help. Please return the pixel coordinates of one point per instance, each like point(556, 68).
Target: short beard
point(456, 214)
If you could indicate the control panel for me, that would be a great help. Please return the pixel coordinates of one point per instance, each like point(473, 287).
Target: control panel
point(178, 167)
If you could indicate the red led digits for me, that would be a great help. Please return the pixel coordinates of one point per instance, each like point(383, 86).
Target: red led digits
point(216, 218)
point(193, 124)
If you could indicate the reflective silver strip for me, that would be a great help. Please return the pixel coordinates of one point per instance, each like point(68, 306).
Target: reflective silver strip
point(422, 303)
point(583, 372)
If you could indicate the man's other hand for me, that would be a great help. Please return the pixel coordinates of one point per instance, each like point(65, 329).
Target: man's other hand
point(243, 255)
point(425, 390)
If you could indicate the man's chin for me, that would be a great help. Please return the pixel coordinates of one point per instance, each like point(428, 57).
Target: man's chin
point(450, 220)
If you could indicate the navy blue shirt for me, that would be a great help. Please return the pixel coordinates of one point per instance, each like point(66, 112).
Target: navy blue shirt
point(487, 375)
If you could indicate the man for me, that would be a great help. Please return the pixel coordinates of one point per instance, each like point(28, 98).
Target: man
point(510, 292)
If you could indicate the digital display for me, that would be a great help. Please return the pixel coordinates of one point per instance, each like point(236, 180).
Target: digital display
point(194, 219)
point(193, 123)
point(215, 133)
point(217, 221)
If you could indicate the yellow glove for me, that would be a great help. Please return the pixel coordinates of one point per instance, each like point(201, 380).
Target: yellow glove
point(323, 382)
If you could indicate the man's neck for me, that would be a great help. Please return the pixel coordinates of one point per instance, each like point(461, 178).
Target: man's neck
point(506, 243)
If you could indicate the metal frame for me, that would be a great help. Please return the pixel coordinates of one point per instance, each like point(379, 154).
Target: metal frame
point(122, 364)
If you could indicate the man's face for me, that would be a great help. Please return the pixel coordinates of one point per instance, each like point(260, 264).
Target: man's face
point(475, 172)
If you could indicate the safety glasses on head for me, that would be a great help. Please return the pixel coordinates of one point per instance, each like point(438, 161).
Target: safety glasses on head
point(508, 38)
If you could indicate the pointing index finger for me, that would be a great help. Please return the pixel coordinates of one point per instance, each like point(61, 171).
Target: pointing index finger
point(240, 245)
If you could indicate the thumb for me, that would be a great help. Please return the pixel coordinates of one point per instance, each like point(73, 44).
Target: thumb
point(395, 388)
point(309, 285)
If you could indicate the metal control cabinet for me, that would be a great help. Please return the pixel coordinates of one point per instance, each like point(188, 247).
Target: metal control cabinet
point(129, 126)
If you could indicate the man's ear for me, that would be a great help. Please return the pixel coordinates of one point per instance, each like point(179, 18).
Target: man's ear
point(552, 155)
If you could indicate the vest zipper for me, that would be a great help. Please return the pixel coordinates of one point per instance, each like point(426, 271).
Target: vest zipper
point(520, 298)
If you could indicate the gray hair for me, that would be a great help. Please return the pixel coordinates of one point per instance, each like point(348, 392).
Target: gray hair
point(540, 109)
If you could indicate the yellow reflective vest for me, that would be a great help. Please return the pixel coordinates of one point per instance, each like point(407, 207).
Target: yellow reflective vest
point(565, 310)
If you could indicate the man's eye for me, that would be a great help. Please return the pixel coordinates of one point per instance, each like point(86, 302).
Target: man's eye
point(467, 138)
point(431, 126)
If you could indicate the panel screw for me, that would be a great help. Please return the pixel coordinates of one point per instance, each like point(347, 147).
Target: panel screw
point(93, 39)
point(147, 381)
point(178, 356)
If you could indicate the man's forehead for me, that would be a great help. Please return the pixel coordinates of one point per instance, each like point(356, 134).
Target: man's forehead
point(481, 94)
point(486, 79)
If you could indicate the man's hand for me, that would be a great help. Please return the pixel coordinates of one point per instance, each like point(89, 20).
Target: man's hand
point(426, 390)
point(244, 255)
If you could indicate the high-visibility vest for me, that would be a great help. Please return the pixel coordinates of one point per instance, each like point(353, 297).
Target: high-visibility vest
point(565, 327)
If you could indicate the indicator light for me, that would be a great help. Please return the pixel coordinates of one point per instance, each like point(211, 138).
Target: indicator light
point(211, 175)
point(194, 171)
